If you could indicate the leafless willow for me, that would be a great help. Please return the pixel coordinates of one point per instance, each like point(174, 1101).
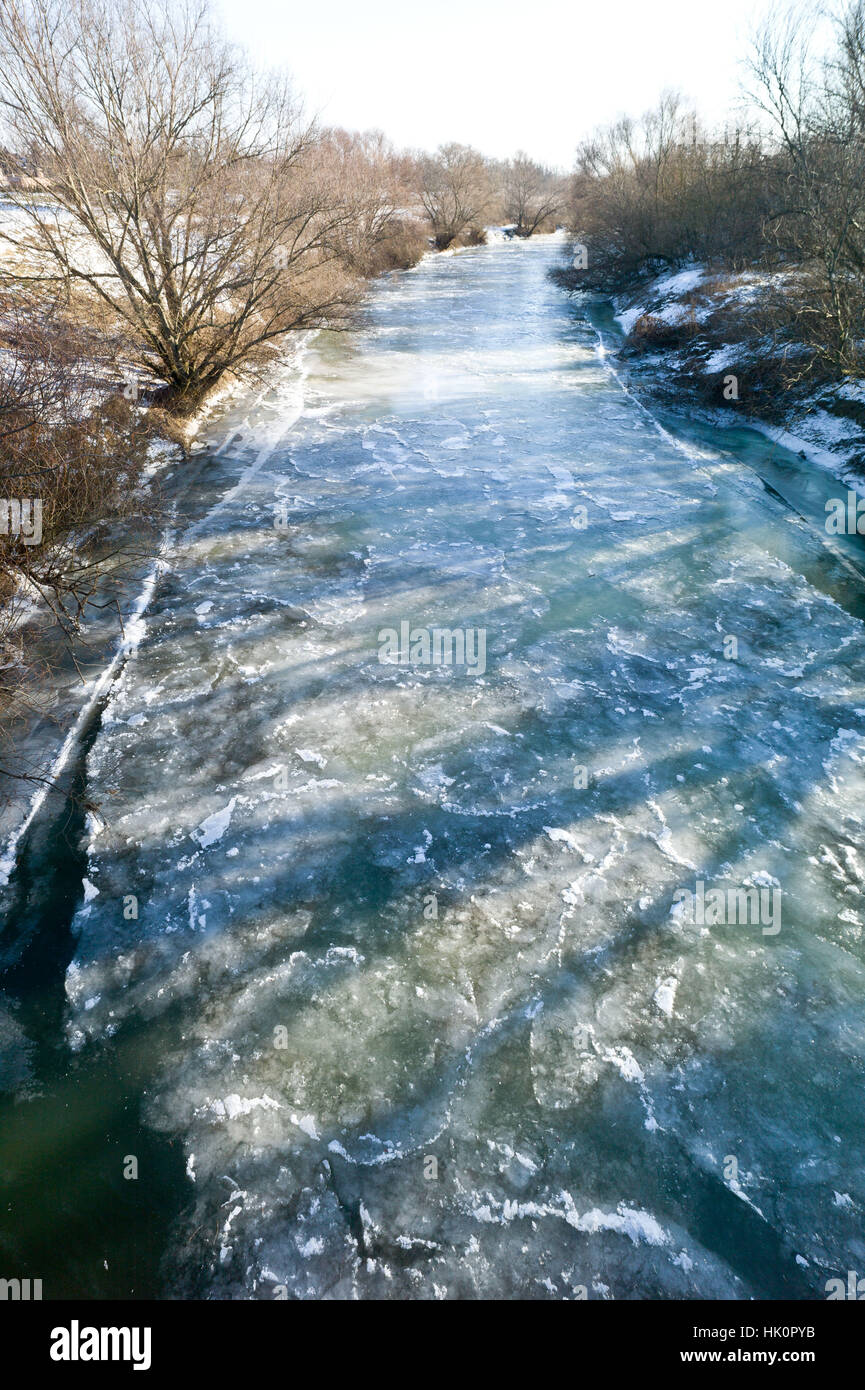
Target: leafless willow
point(181, 189)
point(455, 192)
point(532, 196)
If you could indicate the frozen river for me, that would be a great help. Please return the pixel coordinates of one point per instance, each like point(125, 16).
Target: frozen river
point(385, 971)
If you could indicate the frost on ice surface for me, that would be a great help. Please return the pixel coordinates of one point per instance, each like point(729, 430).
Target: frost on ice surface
point(665, 995)
point(215, 826)
point(562, 837)
point(234, 1105)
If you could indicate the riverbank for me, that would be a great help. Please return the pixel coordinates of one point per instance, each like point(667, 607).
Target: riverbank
point(700, 340)
point(72, 674)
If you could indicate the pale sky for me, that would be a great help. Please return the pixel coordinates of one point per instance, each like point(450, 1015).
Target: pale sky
point(497, 74)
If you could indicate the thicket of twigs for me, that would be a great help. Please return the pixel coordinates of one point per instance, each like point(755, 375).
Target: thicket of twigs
point(71, 458)
point(784, 192)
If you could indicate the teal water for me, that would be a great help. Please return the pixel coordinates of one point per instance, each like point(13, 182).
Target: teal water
point(407, 1009)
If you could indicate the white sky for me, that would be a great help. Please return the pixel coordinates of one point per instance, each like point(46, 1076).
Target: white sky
point(501, 75)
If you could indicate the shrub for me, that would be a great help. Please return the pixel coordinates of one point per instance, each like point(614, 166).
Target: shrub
point(473, 236)
point(71, 441)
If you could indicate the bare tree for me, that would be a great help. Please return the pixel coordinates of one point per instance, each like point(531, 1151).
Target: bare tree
point(455, 192)
point(379, 231)
point(182, 190)
point(532, 195)
point(659, 190)
point(818, 218)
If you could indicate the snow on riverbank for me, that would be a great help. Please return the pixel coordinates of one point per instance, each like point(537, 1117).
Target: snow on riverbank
point(49, 750)
point(702, 335)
